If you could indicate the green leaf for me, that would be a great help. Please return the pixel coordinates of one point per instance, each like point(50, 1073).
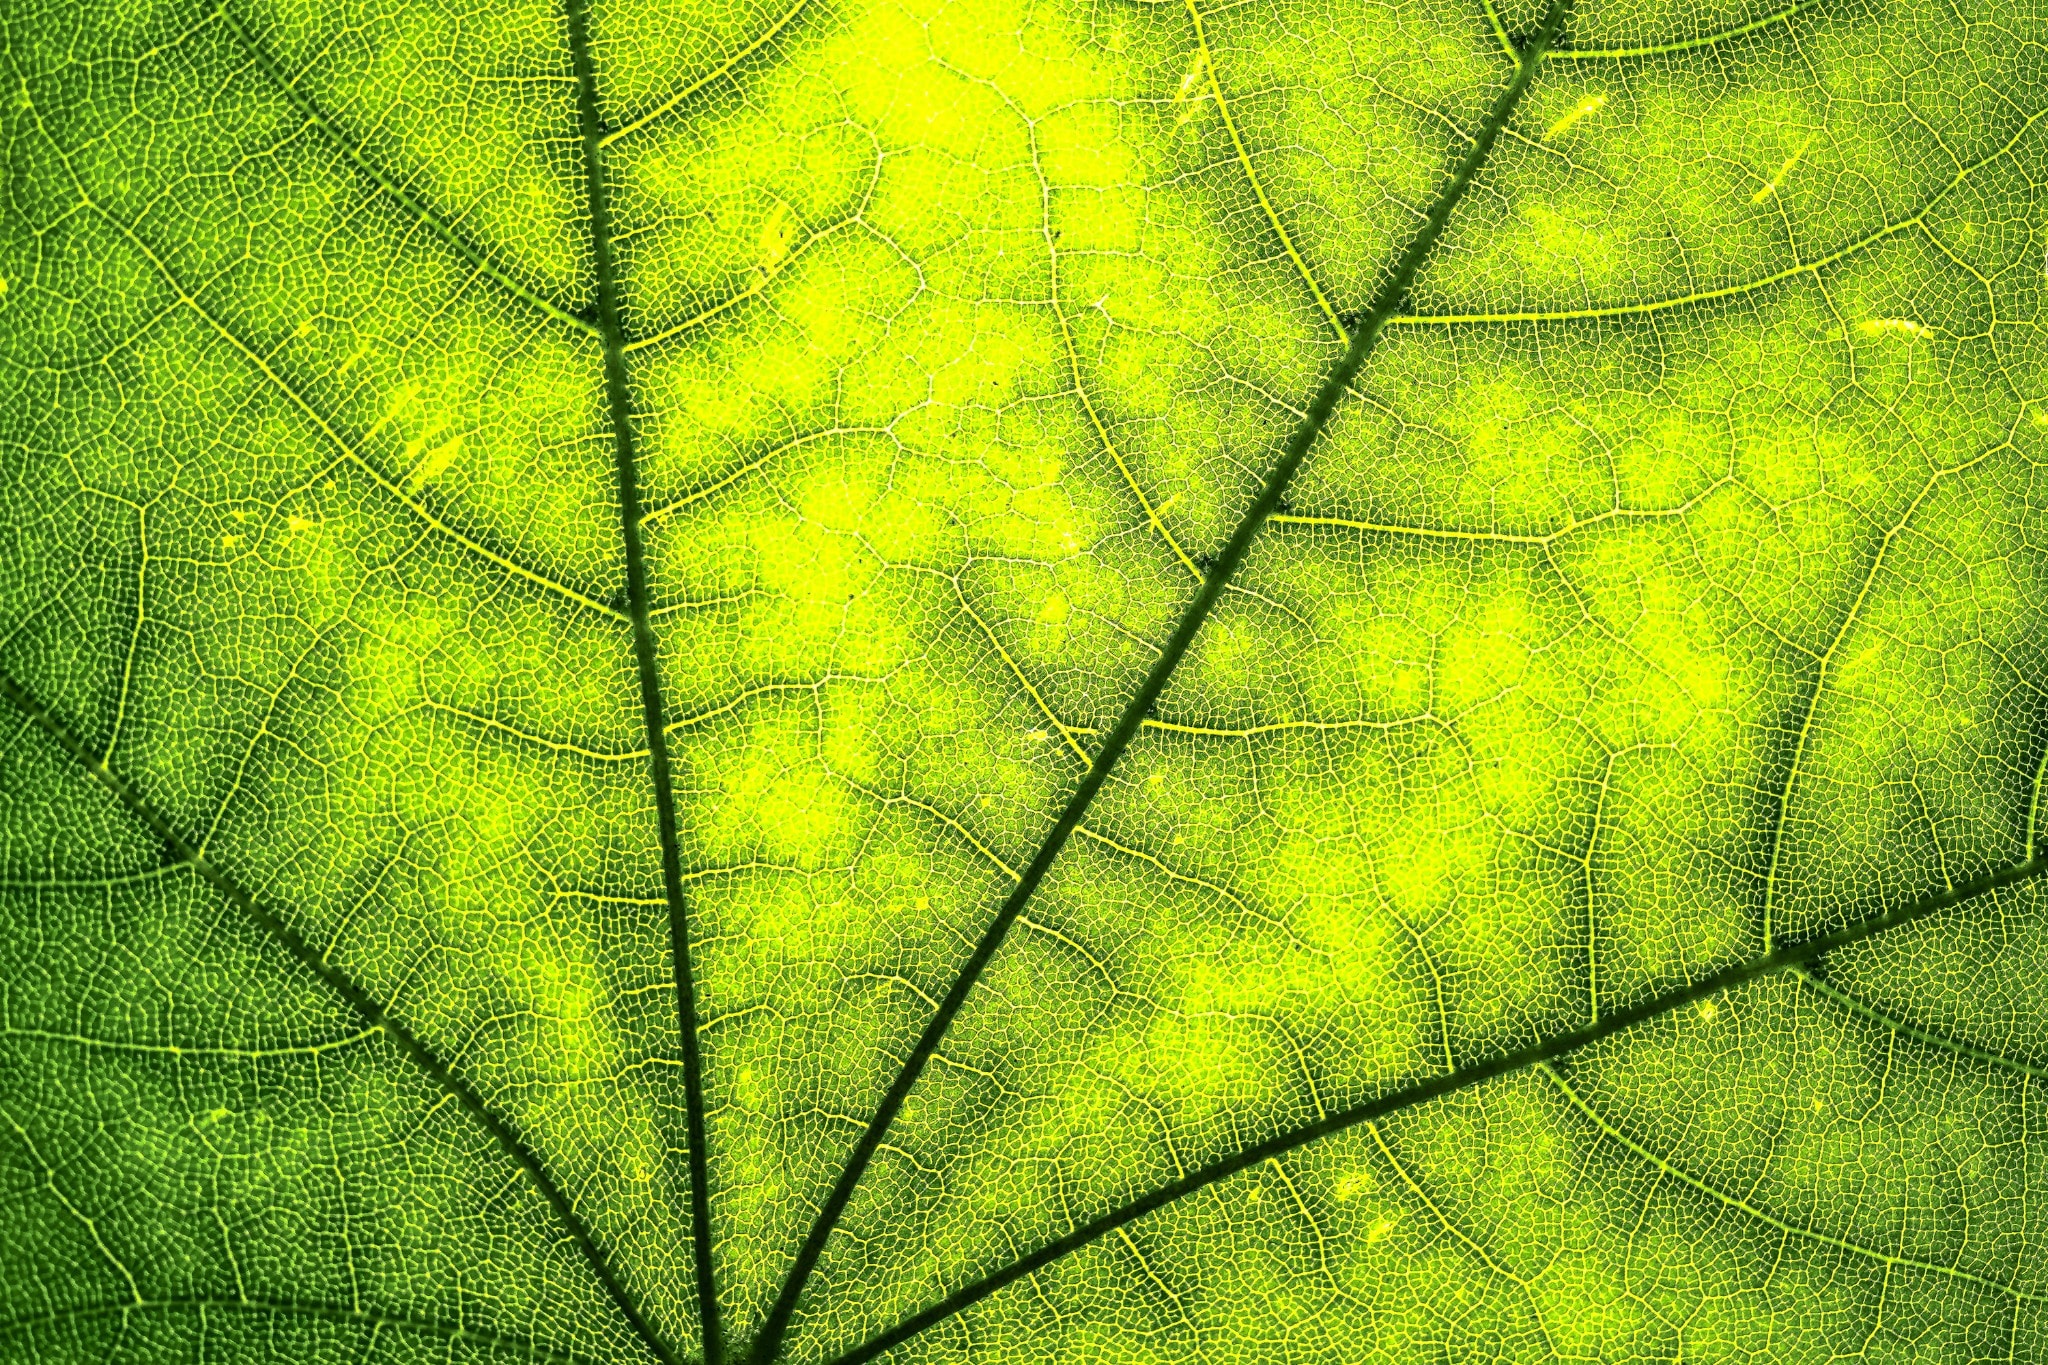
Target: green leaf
point(815, 679)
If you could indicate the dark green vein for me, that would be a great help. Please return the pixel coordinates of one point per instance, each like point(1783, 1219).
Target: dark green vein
point(1785, 958)
point(426, 217)
point(1705, 40)
point(619, 399)
point(361, 1001)
point(1392, 291)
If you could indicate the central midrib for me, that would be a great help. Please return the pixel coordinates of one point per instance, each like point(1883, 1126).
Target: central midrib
point(619, 401)
point(1390, 294)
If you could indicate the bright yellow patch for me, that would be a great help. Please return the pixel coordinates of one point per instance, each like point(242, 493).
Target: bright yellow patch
point(433, 464)
point(1585, 108)
point(1194, 87)
point(1772, 185)
point(778, 235)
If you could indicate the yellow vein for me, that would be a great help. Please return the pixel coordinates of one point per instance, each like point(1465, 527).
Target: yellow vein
point(107, 883)
point(1206, 60)
point(1322, 406)
point(1142, 856)
point(716, 74)
point(135, 631)
point(426, 217)
point(1629, 310)
point(1322, 1242)
point(326, 429)
point(948, 821)
point(78, 1215)
point(1820, 682)
point(1282, 726)
point(327, 1312)
point(699, 495)
point(1152, 511)
point(763, 277)
point(1157, 1283)
point(497, 726)
point(179, 1050)
point(727, 708)
point(1413, 1094)
point(1017, 671)
point(1540, 541)
point(371, 1010)
point(1443, 1219)
point(1914, 1031)
point(1732, 291)
point(1772, 1220)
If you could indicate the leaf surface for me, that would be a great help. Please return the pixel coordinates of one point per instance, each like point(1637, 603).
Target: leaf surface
point(557, 565)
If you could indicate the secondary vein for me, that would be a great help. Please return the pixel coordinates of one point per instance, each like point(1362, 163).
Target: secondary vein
point(1392, 291)
point(619, 400)
point(367, 1007)
point(1788, 958)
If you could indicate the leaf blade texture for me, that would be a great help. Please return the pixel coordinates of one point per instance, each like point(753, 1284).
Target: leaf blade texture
point(560, 564)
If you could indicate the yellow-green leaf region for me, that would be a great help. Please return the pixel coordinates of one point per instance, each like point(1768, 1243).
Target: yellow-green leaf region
point(756, 681)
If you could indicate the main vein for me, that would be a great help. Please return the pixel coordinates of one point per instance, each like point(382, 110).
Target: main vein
point(1392, 291)
point(619, 399)
point(1790, 957)
point(366, 1006)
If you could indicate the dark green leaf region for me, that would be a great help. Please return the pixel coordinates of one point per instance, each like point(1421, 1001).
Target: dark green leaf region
point(1161, 682)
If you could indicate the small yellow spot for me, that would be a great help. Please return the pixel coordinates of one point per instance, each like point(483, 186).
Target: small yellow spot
point(3, 286)
point(230, 542)
point(1355, 1184)
point(297, 524)
point(2040, 416)
point(239, 516)
point(777, 234)
point(1054, 611)
point(1585, 108)
point(924, 902)
point(400, 400)
point(1156, 780)
point(1709, 1011)
point(1819, 1104)
point(987, 802)
point(1180, 838)
point(432, 465)
point(304, 329)
point(1381, 1229)
point(1871, 327)
point(1188, 94)
point(1253, 1195)
point(1771, 186)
